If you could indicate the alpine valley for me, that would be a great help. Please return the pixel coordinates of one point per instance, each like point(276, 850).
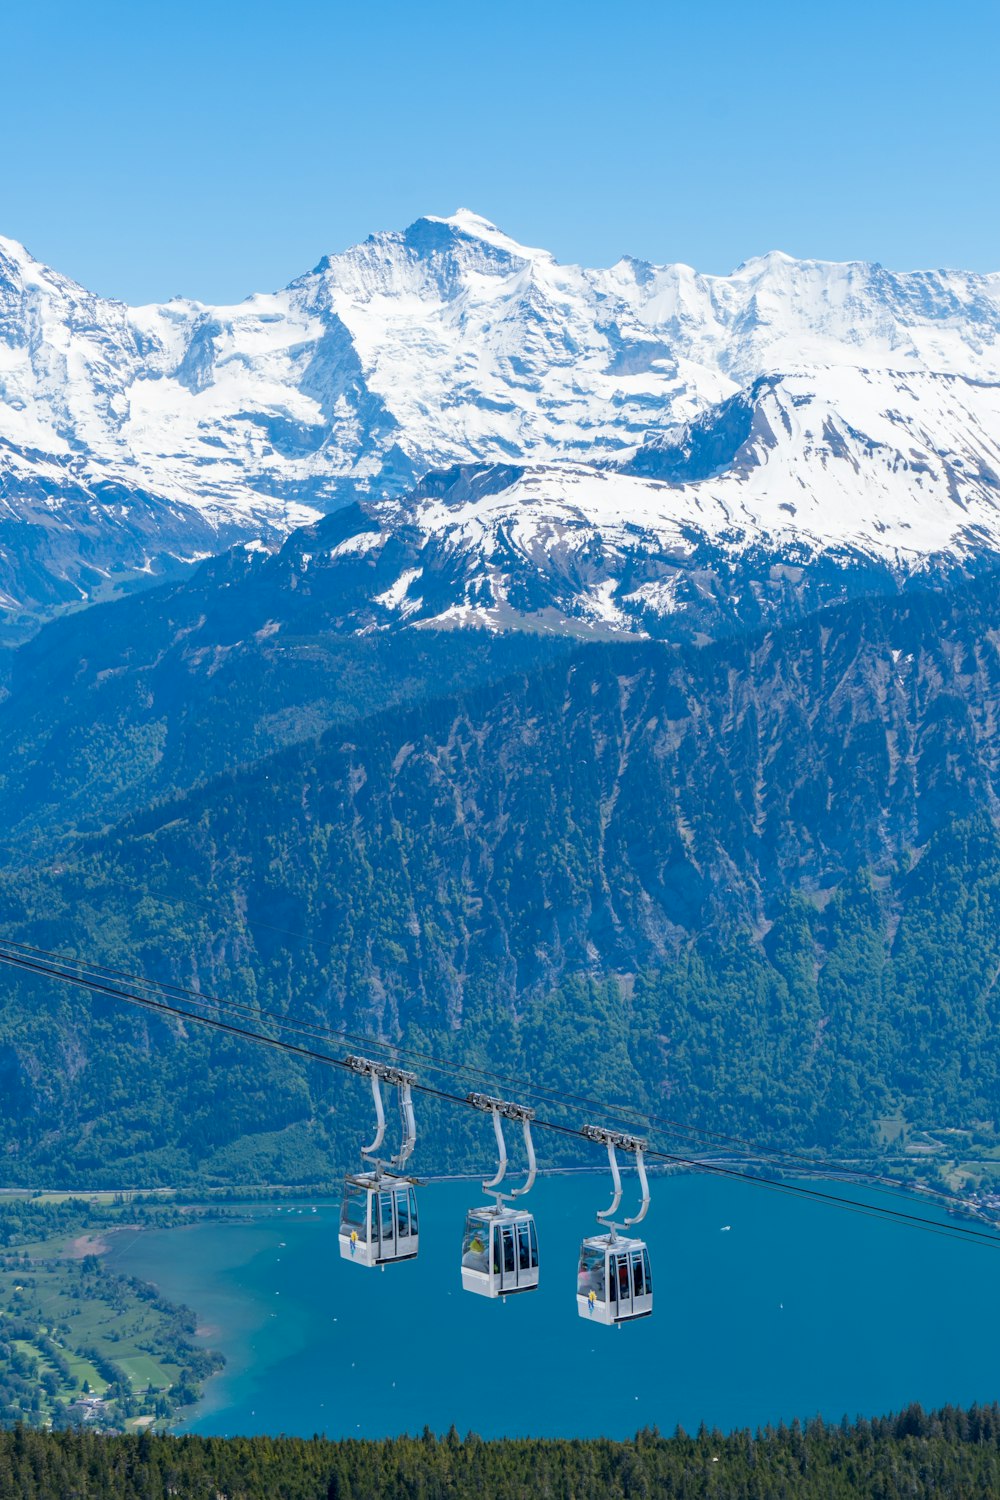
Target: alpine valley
point(588, 674)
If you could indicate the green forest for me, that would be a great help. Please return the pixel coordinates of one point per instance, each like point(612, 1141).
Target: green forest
point(859, 1025)
point(910, 1456)
point(751, 888)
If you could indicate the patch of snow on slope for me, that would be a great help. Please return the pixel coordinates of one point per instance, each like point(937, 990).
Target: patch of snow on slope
point(357, 545)
point(395, 597)
point(898, 468)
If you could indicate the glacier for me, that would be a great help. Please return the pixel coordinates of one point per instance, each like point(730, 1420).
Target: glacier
point(623, 422)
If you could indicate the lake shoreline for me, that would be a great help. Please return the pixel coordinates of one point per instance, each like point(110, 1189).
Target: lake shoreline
point(264, 1203)
point(304, 1335)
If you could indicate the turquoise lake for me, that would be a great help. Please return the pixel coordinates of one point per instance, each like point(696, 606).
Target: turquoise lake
point(795, 1309)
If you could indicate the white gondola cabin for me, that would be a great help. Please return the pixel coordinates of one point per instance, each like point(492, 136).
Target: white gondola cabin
point(499, 1252)
point(613, 1283)
point(378, 1214)
point(378, 1220)
point(500, 1247)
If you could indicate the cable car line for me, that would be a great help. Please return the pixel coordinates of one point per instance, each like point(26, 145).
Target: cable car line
point(23, 962)
point(282, 1022)
point(18, 961)
point(875, 1182)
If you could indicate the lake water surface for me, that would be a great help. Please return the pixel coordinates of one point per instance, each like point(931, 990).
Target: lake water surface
point(796, 1309)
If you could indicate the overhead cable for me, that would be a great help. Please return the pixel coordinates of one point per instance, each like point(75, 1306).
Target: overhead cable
point(73, 972)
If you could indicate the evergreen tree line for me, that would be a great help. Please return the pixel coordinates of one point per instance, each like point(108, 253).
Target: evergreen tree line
point(952, 1452)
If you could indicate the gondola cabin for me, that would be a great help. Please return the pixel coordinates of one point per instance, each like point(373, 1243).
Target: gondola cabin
point(378, 1220)
point(499, 1252)
point(613, 1284)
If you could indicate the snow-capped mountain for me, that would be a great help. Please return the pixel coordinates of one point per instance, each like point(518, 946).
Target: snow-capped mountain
point(777, 499)
point(791, 407)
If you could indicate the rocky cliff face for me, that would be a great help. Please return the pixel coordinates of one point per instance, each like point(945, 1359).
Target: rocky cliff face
point(595, 813)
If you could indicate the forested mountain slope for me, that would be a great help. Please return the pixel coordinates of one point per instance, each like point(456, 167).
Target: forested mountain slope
point(151, 696)
point(108, 710)
point(603, 807)
point(757, 880)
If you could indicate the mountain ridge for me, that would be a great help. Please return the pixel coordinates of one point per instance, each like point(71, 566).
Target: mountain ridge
point(759, 878)
point(448, 343)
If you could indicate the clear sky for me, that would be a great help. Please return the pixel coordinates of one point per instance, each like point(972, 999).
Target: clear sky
point(214, 149)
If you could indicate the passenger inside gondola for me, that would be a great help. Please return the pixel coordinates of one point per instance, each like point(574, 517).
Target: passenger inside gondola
point(475, 1245)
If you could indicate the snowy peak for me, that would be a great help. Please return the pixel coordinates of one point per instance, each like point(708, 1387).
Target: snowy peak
point(460, 257)
point(778, 499)
point(779, 313)
point(19, 269)
point(791, 398)
point(473, 226)
point(15, 261)
point(902, 466)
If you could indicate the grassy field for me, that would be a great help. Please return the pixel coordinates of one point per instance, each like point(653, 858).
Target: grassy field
point(77, 1341)
point(84, 1374)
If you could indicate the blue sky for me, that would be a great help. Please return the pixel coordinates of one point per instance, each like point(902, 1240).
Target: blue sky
point(213, 149)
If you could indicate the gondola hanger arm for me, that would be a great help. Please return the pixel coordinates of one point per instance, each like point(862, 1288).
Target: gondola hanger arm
point(616, 1140)
point(380, 1073)
point(640, 1167)
point(504, 1109)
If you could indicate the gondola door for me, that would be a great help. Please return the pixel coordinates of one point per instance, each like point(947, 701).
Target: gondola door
point(642, 1286)
point(629, 1289)
point(621, 1282)
point(527, 1253)
point(508, 1258)
point(386, 1226)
